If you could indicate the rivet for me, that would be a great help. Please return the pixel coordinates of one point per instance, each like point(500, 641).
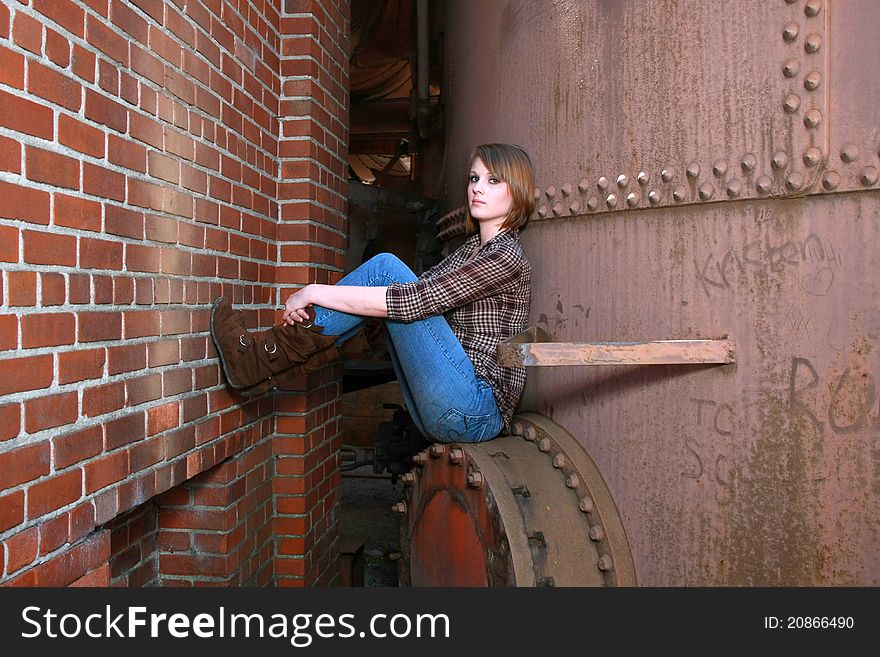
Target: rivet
point(407, 478)
point(791, 68)
point(574, 208)
point(572, 481)
point(597, 533)
point(421, 458)
point(748, 163)
point(812, 8)
point(813, 43)
point(456, 456)
point(868, 176)
point(602, 183)
point(611, 200)
point(830, 180)
point(585, 504)
point(542, 211)
point(583, 185)
point(794, 181)
point(517, 428)
point(812, 156)
point(558, 460)
point(813, 118)
point(680, 193)
point(719, 168)
point(530, 434)
point(475, 479)
point(537, 194)
point(592, 203)
point(399, 507)
point(632, 199)
point(734, 189)
point(544, 444)
point(654, 197)
point(764, 185)
point(779, 160)
point(693, 170)
point(643, 177)
point(792, 103)
point(557, 209)
point(706, 191)
point(790, 32)
point(812, 81)
point(622, 181)
point(667, 175)
point(605, 563)
point(849, 153)
point(437, 450)
point(551, 191)
point(566, 189)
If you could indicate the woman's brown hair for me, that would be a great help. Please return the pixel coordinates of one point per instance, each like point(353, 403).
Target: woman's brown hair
point(512, 165)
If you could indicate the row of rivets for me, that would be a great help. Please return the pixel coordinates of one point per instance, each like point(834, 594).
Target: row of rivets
point(456, 456)
point(475, 479)
point(437, 450)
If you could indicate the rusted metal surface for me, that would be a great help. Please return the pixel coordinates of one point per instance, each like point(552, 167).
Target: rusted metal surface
point(526, 351)
point(691, 158)
point(529, 509)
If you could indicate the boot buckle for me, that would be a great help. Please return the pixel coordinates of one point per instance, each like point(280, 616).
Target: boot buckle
point(242, 344)
point(271, 351)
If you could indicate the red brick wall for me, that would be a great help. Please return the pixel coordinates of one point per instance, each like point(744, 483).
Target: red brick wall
point(139, 180)
point(312, 229)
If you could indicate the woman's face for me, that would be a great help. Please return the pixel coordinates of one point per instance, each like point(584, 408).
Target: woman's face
point(489, 197)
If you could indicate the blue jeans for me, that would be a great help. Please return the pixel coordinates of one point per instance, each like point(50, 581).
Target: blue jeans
point(445, 398)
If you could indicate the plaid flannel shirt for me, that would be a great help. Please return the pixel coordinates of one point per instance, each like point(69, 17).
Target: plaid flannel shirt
point(484, 293)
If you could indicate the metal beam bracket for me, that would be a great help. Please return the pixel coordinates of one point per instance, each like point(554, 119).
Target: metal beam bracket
point(534, 348)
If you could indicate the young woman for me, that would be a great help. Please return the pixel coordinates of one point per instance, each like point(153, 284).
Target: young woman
point(444, 326)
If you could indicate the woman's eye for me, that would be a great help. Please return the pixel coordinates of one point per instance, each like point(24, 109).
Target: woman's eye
point(494, 181)
point(474, 179)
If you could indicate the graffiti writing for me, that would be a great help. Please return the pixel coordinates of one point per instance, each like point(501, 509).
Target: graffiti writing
point(819, 260)
point(717, 417)
point(853, 394)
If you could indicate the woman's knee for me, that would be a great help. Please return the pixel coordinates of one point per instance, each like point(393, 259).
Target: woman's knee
point(391, 267)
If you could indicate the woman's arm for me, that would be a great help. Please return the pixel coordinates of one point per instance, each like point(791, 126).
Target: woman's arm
point(357, 300)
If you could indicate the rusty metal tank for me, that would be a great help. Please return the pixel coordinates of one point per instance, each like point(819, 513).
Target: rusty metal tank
point(707, 170)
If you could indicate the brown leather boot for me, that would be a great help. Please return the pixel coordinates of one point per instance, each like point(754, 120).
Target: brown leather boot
point(253, 362)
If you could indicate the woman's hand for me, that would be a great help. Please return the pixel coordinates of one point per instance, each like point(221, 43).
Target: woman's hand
point(295, 308)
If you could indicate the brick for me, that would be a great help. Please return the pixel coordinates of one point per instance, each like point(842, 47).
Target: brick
point(24, 464)
point(57, 48)
point(53, 534)
point(21, 288)
point(28, 33)
point(47, 83)
point(8, 332)
point(51, 168)
point(144, 389)
point(145, 129)
point(81, 521)
point(161, 229)
point(106, 40)
point(10, 422)
point(177, 381)
point(54, 493)
point(162, 418)
point(123, 222)
point(51, 411)
point(106, 111)
point(83, 63)
point(123, 290)
point(26, 116)
point(164, 352)
point(76, 212)
point(142, 323)
point(11, 510)
point(126, 153)
point(21, 374)
point(22, 549)
point(135, 492)
point(79, 288)
point(100, 254)
point(122, 16)
point(146, 453)
point(8, 244)
point(47, 330)
point(49, 249)
point(25, 203)
point(99, 181)
point(164, 167)
point(75, 447)
point(106, 470)
point(141, 258)
point(10, 154)
point(80, 137)
point(99, 326)
point(81, 365)
point(124, 430)
point(53, 292)
point(100, 400)
point(11, 68)
point(108, 77)
point(175, 322)
point(65, 13)
point(127, 358)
